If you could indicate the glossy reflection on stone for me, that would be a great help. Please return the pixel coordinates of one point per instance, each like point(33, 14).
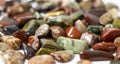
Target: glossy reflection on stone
point(109, 34)
point(105, 46)
point(90, 38)
point(95, 28)
point(30, 27)
point(33, 41)
point(48, 47)
point(72, 32)
point(10, 29)
point(96, 55)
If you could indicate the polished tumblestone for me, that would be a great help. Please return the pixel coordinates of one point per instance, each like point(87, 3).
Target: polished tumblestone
point(75, 45)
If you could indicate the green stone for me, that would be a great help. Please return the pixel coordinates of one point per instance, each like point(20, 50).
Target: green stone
point(76, 15)
point(48, 47)
point(62, 20)
point(41, 21)
point(30, 27)
point(75, 45)
point(116, 23)
point(95, 29)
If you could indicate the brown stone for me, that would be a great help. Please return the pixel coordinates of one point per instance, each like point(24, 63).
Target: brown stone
point(42, 59)
point(21, 34)
point(109, 34)
point(72, 32)
point(96, 55)
point(105, 46)
point(56, 31)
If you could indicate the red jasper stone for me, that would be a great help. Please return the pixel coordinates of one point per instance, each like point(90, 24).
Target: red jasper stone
point(21, 34)
point(109, 34)
point(105, 46)
point(23, 18)
point(33, 41)
point(72, 32)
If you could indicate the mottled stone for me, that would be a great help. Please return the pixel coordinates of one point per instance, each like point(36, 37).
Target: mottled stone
point(75, 45)
point(41, 59)
point(48, 47)
point(63, 56)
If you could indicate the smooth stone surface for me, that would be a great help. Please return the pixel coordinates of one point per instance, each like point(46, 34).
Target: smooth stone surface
point(106, 18)
point(21, 34)
point(75, 45)
point(56, 13)
point(10, 29)
point(63, 56)
point(23, 18)
point(77, 15)
point(42, 30)
point(109, 34)
point(96, 55)
point(105, 46)
point(91, 19)
point(48, 47)
point(72, 32)
point(30, 27)
point(34, 42)
point(42, 59)
point(57, 31)
point(62, 20)
point(95, 29)
point(90, 38)
point(80, 26)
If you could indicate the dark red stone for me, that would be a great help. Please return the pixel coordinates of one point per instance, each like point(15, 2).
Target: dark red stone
point(109, 34)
